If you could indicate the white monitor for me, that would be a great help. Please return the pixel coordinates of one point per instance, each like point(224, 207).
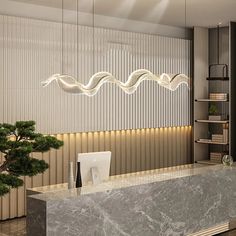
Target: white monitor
point(94, 167)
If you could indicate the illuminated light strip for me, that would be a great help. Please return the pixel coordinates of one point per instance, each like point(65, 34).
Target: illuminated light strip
point(70, 85)
point(142, 130)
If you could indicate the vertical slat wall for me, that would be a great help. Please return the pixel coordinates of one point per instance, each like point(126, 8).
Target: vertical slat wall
point(132, 150)
point(32, 52)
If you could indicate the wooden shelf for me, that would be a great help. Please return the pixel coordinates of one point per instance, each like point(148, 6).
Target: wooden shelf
point(213, 121)
point(210, 100)
point(217, 78)
point(208, 162)
point(210, 142)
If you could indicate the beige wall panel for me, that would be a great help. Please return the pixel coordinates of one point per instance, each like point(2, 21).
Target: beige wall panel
point(132, 150)
point(112, 149)
point(66, 155)
point(152, 148)
point(21, 203)
point(128, 151)
point(59, 162)
point(38, 179)
point(72, 149)
point(118, 151)
point(161, 147)
point(147, 149)
point(123, 152)
point(96, 140)
point(46, 174)
point(138, 153)
point(13, 203)
point(53, 167)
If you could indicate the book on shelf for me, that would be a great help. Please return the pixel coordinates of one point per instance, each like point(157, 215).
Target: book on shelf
point(222, 138)
point(218, 96)
point(216, 156)
point(225, 135)
point(217, 138)
point(204, 140)
point(215, 117)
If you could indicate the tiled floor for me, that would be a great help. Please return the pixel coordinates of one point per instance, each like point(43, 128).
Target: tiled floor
point(15, 227)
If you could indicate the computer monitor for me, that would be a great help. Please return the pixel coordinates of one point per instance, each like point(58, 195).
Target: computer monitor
point(94, 167)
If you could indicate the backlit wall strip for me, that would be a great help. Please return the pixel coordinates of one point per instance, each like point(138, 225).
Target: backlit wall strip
point(132, 150)
point(31, 52)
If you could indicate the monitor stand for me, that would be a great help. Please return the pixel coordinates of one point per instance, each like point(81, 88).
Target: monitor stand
point(95, 176)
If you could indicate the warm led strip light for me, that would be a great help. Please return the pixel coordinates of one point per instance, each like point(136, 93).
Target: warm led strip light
point(70, 85)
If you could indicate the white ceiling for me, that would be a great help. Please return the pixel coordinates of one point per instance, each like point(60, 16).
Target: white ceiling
point(205, 13)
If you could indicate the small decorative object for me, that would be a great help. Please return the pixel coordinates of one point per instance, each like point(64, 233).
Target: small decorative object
point(78, 177)
point(226, 133)
point(227, 160)
point(71, 182)
point(213, 113)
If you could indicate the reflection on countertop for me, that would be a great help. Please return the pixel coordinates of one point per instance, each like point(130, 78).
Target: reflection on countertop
point(125, 180)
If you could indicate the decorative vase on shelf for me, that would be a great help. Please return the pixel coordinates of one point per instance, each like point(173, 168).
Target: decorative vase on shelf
point(78, 177)
point(227, 160)
point(71, 182)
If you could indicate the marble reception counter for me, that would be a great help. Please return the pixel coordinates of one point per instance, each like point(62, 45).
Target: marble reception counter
point(185, 200)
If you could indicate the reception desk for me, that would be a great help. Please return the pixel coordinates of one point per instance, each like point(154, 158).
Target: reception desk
point(185, 200)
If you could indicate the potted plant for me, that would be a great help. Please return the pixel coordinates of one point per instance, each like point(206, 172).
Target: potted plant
point(213, 113)
point(17, 142)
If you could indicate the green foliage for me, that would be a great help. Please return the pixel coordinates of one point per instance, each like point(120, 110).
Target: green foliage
point(213, 109)
point(9, 181)
point(17, 142)
point(27, 166)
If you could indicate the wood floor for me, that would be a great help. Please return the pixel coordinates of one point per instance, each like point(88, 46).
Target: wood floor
point(17, 227)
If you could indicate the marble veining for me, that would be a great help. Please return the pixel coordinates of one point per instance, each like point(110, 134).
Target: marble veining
point(177, 206)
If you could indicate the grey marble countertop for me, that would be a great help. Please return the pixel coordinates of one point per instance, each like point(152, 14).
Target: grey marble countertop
point(179, 202)
point(60, 191)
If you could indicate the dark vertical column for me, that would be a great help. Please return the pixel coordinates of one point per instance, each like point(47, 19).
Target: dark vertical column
point(233, 89)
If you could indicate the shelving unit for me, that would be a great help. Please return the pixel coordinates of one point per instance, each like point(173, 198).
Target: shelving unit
point(213, 121)
point(207, 162)
point(209, 141)
point(211, 75)
point(210, 100)
point(217, 78)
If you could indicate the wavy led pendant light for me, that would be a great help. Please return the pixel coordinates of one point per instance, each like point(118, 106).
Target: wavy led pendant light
point(69, 84)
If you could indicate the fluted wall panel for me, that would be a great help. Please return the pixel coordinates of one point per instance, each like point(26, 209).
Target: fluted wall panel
point(130, 125)
point(33, 51)
point(132, 150)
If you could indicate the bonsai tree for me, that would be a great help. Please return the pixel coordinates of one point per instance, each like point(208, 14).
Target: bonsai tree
point(17, 142)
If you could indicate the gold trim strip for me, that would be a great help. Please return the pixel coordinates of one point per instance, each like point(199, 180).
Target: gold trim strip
point(212, 230)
